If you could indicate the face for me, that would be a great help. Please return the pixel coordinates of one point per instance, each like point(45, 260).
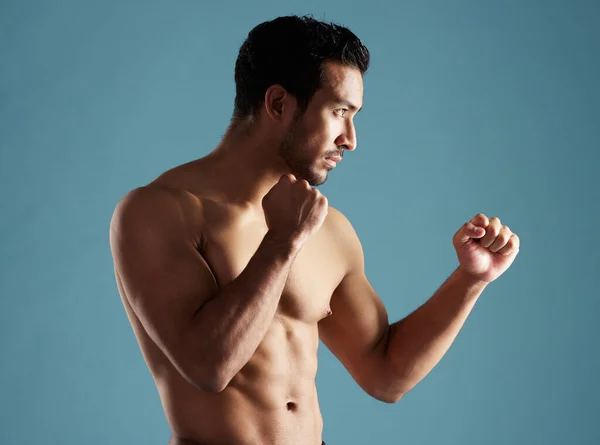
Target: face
point(320, 136)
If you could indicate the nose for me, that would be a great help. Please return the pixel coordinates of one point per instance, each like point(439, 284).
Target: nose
point(347, 139)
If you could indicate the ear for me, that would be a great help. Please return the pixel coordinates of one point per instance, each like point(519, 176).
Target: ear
point(279, 104)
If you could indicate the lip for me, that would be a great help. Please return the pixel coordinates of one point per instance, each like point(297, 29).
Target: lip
point(333, 160)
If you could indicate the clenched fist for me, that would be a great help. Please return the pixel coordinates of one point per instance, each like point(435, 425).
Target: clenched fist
point(485, 247)
point(294, 210)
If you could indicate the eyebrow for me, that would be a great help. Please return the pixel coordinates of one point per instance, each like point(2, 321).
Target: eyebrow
point(348, 104)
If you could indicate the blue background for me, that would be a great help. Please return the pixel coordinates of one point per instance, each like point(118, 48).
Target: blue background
point(469, 107)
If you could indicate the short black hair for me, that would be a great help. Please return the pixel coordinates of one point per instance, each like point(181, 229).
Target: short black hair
point(290, 51)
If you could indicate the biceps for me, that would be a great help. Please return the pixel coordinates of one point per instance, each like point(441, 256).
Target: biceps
point(165, 287)
point(166, 294)
point(357, 329)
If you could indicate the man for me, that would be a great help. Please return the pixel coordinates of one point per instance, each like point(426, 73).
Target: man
point(231, 267)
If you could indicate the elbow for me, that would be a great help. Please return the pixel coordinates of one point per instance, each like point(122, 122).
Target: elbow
point(387, 396)
point(390, 398)
point(211, 379)
point(210, 371)
point(389, 393)
point(211, 386)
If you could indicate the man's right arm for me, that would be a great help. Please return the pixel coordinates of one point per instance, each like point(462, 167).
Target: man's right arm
point(208, 333)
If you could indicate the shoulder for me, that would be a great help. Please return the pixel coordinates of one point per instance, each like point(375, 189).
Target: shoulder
point(154, 199)
point(155, 208)
point(337, 221)
point(346, 241)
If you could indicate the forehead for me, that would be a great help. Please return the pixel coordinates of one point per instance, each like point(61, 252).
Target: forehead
point(340, 82)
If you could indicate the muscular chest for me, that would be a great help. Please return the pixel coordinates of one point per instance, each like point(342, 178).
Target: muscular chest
point(314, 275)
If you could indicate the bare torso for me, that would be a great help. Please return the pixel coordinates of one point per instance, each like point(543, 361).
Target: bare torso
point(273, 399)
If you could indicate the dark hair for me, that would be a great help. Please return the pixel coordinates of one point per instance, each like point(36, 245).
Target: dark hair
point(290, 51)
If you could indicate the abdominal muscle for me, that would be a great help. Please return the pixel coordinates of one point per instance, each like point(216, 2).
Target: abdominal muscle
point(272, 400)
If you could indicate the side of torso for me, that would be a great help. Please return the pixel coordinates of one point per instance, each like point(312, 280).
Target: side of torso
point(274, 394)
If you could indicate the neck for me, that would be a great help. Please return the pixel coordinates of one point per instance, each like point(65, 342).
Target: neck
point(246, 164)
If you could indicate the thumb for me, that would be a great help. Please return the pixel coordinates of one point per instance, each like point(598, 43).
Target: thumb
point(470, 230)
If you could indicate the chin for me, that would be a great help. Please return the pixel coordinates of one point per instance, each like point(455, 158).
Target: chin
point(314, 173)
point(318, 176)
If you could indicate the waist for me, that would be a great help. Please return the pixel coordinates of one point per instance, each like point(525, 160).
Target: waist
point(179, 441)
point(245, 412)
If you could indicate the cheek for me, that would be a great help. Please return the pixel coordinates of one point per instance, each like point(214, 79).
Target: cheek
point(314, 135)
point(328, 130)
point(320, 134)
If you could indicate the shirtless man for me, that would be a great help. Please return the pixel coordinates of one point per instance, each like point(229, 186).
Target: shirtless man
point(232, 267)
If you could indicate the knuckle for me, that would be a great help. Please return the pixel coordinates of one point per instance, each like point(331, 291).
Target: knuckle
point(494, 228)
point(302, 184)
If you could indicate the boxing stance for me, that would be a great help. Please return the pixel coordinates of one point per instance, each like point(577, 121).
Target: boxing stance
point(233, 266)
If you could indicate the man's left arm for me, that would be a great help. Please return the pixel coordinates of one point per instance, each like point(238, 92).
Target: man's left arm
point(389, 360)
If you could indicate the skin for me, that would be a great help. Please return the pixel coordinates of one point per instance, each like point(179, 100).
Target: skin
point(228, 312)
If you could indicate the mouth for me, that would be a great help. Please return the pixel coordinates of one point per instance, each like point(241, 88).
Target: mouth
point(333, 160)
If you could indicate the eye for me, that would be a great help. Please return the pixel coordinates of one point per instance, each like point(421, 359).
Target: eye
point(341, 112)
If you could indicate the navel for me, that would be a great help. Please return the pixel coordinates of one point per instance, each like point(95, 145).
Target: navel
point(291, 406)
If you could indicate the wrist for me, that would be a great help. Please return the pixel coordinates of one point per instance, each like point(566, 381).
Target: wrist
point(469, 279)
point(286, 246)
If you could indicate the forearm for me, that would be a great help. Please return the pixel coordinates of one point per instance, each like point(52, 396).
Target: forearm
point(232, 324)
point(418, 342)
